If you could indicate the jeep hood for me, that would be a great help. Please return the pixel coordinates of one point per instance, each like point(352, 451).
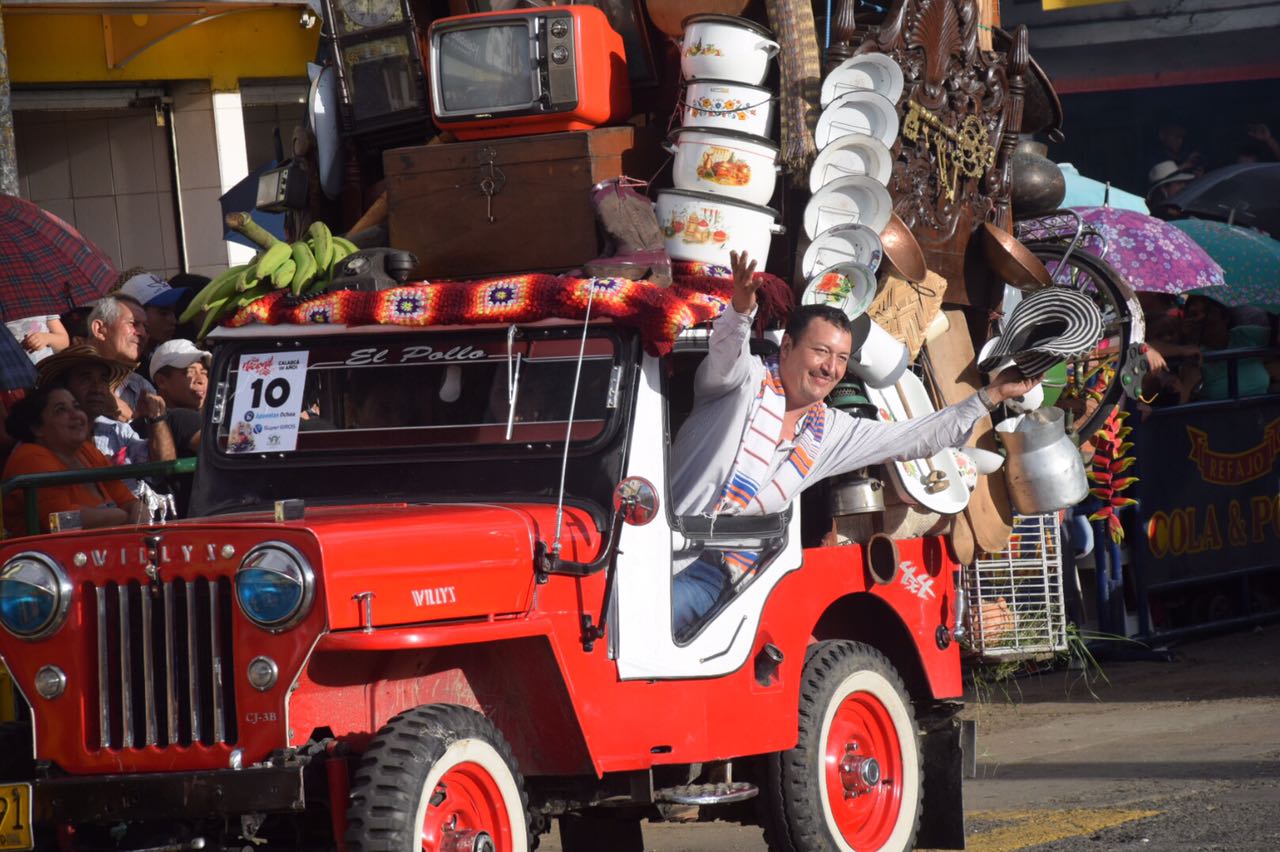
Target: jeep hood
point(433, 563)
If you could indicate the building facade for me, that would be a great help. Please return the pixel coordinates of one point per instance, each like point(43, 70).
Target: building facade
point(131, 120)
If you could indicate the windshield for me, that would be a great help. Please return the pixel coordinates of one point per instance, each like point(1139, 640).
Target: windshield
point(446, 390)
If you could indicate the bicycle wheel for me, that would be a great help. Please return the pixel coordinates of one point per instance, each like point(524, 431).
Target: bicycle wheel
point(1096, 380)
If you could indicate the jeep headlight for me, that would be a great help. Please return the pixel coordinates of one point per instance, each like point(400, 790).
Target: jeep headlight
point(34, 596)
point(274, 586)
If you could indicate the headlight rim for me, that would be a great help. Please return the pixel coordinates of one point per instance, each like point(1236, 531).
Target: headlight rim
point(308, 586)
point(65, 591)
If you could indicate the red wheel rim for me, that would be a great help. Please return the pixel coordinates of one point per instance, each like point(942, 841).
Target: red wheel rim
point(466, 799)
point(862, 729)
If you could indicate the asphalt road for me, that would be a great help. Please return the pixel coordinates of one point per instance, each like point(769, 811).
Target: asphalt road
point(1181, 755)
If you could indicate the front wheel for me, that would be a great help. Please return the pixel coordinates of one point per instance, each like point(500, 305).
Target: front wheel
point(438, 778)
point(853, 780)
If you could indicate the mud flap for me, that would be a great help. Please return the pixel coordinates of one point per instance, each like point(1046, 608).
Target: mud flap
point(942, 824)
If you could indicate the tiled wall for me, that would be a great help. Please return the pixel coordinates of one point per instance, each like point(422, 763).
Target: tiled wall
point(200, 176)
point(107, 173)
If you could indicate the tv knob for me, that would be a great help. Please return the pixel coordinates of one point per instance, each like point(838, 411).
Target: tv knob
point(559, 29)
point(560, 55)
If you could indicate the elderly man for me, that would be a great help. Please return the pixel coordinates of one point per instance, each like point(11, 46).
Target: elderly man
point(118, 331)
point(159, 300)
point(760, 434)
point(81, 370)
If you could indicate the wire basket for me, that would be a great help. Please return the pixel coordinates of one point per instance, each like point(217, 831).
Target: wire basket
point(1016, 608)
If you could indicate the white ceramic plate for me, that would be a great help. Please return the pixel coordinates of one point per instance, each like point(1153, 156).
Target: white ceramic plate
point(847, 286)
point(858, 112)
point(855, 200)
point(855, 154)
point(842, 244)
point(904, 400)
point(873, 71)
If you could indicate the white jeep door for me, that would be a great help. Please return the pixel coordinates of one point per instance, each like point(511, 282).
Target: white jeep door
point(641, 637)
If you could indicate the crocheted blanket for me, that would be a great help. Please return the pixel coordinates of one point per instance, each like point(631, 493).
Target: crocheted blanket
point(699, 294)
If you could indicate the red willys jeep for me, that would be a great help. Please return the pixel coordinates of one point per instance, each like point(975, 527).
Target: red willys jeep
point(423, 602)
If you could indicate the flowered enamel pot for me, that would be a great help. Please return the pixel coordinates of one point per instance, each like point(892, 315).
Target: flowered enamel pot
point(699, 226)
point(723, 162)
point(722, 105)
point(725, 47)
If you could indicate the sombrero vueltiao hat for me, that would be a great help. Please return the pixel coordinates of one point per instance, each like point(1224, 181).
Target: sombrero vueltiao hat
point(51, 369)
point(1046, 327)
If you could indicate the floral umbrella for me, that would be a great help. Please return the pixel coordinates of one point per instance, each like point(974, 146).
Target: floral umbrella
point(1250, 263)
point(1150, 254)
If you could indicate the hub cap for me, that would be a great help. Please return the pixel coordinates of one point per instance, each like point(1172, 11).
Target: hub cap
point(466, 813)
point(863, 768)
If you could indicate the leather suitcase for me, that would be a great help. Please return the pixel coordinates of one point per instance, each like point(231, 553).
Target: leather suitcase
point(499, 206)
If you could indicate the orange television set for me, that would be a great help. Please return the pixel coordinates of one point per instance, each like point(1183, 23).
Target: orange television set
point(525, 71)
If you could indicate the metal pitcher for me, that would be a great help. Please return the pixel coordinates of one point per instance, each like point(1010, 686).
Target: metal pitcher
point(1044, 470)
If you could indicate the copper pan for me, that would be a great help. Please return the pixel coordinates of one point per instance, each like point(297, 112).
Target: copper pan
point(902, 251)
point(1012, 261)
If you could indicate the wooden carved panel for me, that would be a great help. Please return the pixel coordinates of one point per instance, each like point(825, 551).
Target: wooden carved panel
point(951, 170)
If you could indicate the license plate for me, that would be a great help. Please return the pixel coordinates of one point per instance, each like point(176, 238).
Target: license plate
point(15, 817)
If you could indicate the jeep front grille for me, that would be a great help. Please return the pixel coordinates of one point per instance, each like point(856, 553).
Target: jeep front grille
point(165, 667)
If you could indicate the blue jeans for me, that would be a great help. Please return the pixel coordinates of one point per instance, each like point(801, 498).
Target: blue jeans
point(693, 592)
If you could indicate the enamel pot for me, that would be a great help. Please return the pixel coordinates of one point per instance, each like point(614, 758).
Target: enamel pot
point(702, 227)
point(722, 105)
point(726, 47)
point(723, 162)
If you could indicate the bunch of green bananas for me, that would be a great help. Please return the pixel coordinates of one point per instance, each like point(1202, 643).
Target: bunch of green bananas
point(304, 267)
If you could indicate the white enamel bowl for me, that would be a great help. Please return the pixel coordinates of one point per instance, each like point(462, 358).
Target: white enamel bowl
point(854, 154)
point(722, 105)
point(842, 244)
point(724, 47)
point(870, 72)
point(858, 112)
point(855, 200)
point(699, 226)
point(723, 162)
point(847, 286)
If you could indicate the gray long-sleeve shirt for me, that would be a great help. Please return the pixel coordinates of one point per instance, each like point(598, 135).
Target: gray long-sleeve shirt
point(725, 386)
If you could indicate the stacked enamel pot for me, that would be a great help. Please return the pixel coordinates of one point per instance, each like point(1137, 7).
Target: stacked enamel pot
point(726, 164)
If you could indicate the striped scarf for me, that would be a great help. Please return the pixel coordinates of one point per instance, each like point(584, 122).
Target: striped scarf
point(749, 490)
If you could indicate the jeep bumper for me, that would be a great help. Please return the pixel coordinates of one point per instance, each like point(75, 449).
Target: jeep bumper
point(169, 795)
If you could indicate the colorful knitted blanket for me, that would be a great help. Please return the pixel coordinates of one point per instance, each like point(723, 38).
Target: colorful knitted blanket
point(698, 294)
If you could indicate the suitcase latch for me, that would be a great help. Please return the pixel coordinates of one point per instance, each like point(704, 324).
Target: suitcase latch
point(491, 180)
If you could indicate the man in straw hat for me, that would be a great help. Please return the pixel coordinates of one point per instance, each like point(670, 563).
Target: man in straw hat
point(92, 380)
point(760, 433)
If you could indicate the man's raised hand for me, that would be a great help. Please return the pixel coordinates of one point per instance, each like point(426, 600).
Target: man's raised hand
point(744, 283)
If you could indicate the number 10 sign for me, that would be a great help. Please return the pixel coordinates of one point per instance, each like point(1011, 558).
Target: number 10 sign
point(268, 400)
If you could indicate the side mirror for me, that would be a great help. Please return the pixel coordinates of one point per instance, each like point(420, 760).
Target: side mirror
point(636, 500)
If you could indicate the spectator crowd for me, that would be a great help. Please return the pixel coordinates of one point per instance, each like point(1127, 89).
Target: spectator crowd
point(117, 382)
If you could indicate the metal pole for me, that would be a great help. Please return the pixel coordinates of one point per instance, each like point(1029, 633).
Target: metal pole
point(8, 151)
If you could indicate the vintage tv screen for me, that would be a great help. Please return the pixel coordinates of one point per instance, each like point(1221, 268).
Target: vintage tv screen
point(486, 68)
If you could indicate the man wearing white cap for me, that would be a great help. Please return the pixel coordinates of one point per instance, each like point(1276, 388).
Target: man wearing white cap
point(180, 372)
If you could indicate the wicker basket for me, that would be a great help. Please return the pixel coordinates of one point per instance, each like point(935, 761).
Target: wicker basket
point(905, 310)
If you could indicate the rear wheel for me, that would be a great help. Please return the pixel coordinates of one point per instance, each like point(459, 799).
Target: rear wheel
point(853, 780)
point(438, 778)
